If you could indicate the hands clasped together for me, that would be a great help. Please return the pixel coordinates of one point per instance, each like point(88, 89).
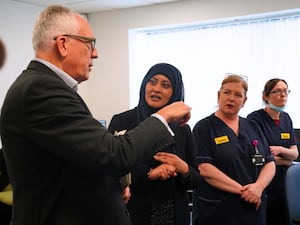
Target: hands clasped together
point(252, 193)
point(170, 167)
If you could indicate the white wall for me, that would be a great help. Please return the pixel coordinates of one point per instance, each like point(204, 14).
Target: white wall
point(107, 91)
point(16, 22)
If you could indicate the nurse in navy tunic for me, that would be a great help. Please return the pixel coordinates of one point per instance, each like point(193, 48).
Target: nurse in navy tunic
point(234, 161)
point(278, 128)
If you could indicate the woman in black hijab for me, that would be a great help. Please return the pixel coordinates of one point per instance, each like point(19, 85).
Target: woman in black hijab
point(174, 75)
point(158, 190)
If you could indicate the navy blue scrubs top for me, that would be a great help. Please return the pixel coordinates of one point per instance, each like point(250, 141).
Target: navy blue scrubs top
point(282, 135)
point(217, 144)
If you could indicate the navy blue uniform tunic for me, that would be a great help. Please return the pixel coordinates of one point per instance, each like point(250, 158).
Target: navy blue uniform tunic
point(277, 135)
point(217, 144)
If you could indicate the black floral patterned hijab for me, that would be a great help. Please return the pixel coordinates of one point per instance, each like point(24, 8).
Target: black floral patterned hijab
point(144, 110)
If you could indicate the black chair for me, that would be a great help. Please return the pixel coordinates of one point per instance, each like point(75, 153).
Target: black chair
point(292, 184)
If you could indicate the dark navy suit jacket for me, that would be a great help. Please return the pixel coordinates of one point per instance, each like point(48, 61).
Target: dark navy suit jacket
point(63, 164)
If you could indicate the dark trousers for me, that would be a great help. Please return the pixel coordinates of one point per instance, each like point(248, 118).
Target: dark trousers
point(277, 213)
point(5, 214)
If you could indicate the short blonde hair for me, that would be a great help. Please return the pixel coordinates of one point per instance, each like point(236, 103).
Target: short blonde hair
point(231, 77)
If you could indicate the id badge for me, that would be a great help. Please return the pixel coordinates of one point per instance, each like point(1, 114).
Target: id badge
point(258, 160)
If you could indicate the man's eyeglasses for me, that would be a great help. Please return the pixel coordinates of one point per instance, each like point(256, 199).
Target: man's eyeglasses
point(280, 92)
point(91, 41)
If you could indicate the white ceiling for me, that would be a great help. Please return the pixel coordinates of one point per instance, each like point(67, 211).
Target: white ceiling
point(88, 6)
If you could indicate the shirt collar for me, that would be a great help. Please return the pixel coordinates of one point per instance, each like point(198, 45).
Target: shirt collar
point(72, 83)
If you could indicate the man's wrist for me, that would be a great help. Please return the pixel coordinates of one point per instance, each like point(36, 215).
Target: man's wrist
point(164, 122)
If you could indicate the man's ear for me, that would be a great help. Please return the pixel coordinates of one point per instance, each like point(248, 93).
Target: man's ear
point(62, 45)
